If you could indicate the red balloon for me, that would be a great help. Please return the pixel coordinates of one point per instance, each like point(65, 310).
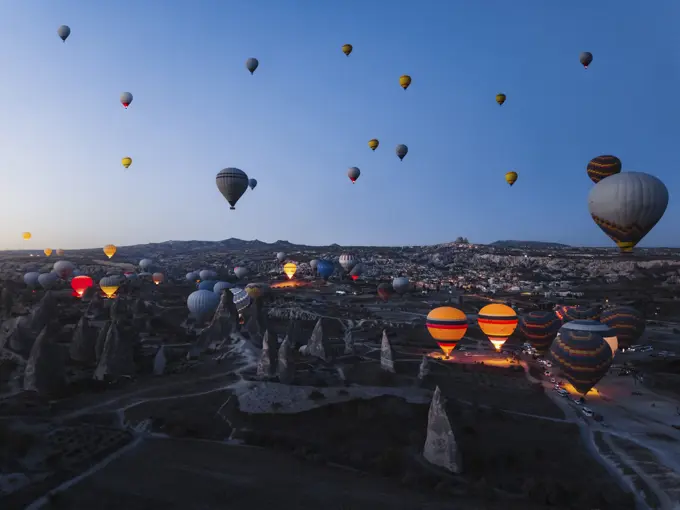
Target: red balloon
point(80, 284)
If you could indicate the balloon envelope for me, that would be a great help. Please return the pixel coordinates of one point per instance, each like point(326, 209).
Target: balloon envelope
point(207, 285)
point(146, 264)
point(110, 250)
point(48, 280)
point(498, 322)
point(353, 173)
point(241, 298)
point(585, 58)
point(405, 81)
point(500, 98)
point(540, 329)
point(401, 151)
point(580, 313)
point(325, 269)
point(232, 183)
point(207, 274)
point(280, 256)
point(252, 183)
point(252, 64)
point(220, 287)
point(447, 325)
point(290, 269)
point(401, 284)
point(627, 322)
point(348, 261)
point(126, 162)
point(594, 326)
point(47, 252)
point(63, 32)
point(109, 285)
point(63, 268)
point(241, 272)
point(80, 284)
point(511, 178)
point(347, 49)
point(373, 144)
point(385, 290)
point(626, 206)
point(603, 166)
point(126, 99)
point(202, 303)
point(158, 278)
point(31, 279)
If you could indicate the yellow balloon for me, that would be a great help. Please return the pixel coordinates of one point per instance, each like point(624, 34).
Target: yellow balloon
point(500, 98)
point(511, 177)
point(290, 269)
point(47, 252)
point(405, 81)
point(373, 144)
point(26, 235)
point(109, 290)
point(110, 250)
point(498, 322)
point(126, 162)
point(347, 49)
point(60, 252)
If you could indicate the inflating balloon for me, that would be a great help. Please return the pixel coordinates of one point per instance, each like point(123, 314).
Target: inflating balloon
point(325, 269)
point(401, 285)
point(202, 303)
point(109, 285)
point(603, 330)
point(280, 256)
point(63, 269)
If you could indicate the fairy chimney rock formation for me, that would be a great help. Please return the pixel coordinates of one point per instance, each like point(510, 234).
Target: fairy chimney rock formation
point(44, 372)
point(286, 366)
point(440, 447)
point(349, 341)
point(317, 345)
point(266, 363)
point(82, 348)
point(386, 357)
point(118, 356)
point(159, 361)
point(101, 340)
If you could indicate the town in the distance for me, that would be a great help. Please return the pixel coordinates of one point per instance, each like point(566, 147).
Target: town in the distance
point(514, 375)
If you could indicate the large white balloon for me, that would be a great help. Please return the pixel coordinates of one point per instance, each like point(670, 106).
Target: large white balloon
point(626, 206)
point(64, 269)
point(207, 274)
point(401, 284)
point(348, 261)
point(240, 271)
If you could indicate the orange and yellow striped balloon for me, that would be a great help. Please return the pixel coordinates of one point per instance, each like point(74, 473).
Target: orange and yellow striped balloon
point(447, 325)
point(498, 322)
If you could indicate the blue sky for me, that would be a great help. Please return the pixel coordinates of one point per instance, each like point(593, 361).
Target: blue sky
point(309, 111)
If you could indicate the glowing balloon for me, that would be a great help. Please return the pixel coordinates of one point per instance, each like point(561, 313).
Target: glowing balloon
point(47, 252)
point(447, 326)
point(110, 250)
point(158, 278)
point(626, 206)
point(126, 162)
point(347, 49)
point(80, 284)
point(498, 322)
point(290, 269)
point(109, 285)
point(125, 99)
point(511, 178)
point(405, 81)
point(373, 144)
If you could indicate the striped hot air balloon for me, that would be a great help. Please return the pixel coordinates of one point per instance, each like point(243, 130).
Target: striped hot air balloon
point(498, 322)
point(540, 329)
point(603, 166)
point(241, 298)
point(627, 322)
point(603, 330)
point(447, 326)
point(583, 356)
point(581, 313)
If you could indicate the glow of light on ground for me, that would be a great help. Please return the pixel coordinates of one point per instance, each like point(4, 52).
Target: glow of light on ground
point(572, 391)
point(457, 358)
point(290, 284)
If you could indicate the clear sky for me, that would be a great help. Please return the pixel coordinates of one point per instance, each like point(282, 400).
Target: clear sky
point(309, 111)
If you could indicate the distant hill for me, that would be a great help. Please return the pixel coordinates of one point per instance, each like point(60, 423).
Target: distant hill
point(533, 245)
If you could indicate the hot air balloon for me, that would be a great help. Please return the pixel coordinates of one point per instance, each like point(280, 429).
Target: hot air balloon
point(252, 183)
point(347, 49)
point(385, 291)
point(595, 326)
point(405, 81)
point(498, 322)
point(241, 272)
point(63, 32)
point(220, 287)
point(110, 250)
point(353, 173)
point(130, 275)
point(511, 178)
point(145, 264)
point(192, 276)
point(158, 278)
point(202, 304)
point(585, 58)
point(356, 271)
point(583, 356)
point(290, 269)
point(64, 269)
point(126, 162)
point(80, 284)
point(109, 285)
point(232, 183)
point(207, 285)
point(313, 263)
point(125, 99)
point(207, 274)
point(401, 285)
point(256, 290)
point(500, 98)
point(60, 252)
point(241, 298)
point(325, 269)
point(373, 144)
point(31, 278)
point(401, 151)
point(603, 166)
point(251, 64)
point(447, 326)
point(48, 280)
point(348, 261)
point(280, 256)
point(540, 329)
point(26, 235)
point(627, 322)
point(626, 206)
point(580, 313)
point(47, 252)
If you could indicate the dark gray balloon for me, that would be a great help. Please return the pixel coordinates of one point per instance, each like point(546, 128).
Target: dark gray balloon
point(232, 183)
point(401, 150)
point(353, 173)
point(63, 31)
point(585, 58)
point(251, 64)
point(252, 183)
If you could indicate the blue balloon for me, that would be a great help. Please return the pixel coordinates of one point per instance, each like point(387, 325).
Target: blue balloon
point(207, 285)
point(325, 269)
